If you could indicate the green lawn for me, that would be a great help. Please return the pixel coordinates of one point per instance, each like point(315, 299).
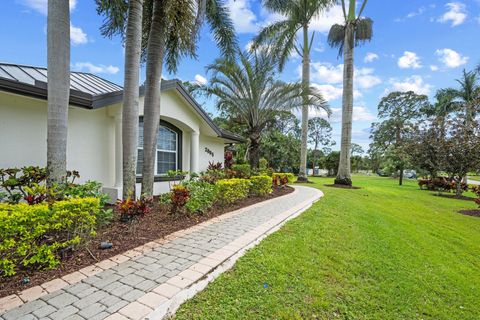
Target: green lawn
point(381, 252)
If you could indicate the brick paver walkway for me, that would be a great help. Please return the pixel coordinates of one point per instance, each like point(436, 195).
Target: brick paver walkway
point(156, 281)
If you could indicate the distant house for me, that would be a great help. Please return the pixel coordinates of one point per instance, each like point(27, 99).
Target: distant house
point(187, 140)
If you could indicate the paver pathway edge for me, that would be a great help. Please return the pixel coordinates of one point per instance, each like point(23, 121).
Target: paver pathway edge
point(153, 280)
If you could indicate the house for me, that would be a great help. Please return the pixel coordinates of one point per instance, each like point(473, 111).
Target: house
point(188, 139)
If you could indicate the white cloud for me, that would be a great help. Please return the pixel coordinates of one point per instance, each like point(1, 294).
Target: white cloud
point(244, 19)
point(325, 21)
point(420, 11)
point(200, 79)
point(41, 6)
point(434, 67)
point(360, 113)
point(414, 83)
point(370, 57)
point(478, 19)
point(450, 58)
point(77, 36)
point(329, 92)
point(90, 67)
point(327, 73)
point(456, 14)
point(322, 23)
point(409, 60)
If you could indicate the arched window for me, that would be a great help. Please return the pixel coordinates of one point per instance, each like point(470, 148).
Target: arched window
point(168, 152)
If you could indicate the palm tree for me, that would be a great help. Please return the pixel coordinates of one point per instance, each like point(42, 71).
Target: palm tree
point(467, 96)
point(281, 37)
point(248, 91)
point(118, 15)
point(355, 31)
point(58, 56)
point(172, 33)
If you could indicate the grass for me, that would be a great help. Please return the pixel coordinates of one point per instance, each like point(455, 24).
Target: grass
point(381, 252)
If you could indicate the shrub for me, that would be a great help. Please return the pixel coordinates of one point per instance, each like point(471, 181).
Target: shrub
point(214, 166)
point(91, 189)
point(231, 190)
point(13, 182)
point(131, 209)
point(228, 159)
point(202, 196)
point(441, 184)
point(260, 185)
point(179, 198)
point(242, 171)
point(212, 176)
point(282, 179)
point(34, 235)
point(476, 190)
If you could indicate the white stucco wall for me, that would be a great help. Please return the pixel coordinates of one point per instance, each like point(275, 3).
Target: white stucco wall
point(91, 136)
point(216, 145)
point(23, 137)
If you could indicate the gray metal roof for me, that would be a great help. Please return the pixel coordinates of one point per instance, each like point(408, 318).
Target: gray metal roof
point(79, 81)
point(89, 91)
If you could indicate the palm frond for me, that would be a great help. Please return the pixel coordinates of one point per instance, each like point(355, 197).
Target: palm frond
point(363, 30)
point(115, 14)
point(222, 27)
point(336, 37)
point(180, 17)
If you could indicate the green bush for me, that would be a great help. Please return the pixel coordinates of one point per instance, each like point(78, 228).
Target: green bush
point(202, 196)
point(33, 235)
point(242, 171)
point(260, 185)
point(91, 189)
point(231, 190)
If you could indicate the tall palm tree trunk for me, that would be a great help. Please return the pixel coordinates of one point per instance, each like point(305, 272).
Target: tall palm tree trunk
point(133, 42)
point(155, 53)
point(253, 149)
point(344, 175)
point(58, 62)
point(302, 176)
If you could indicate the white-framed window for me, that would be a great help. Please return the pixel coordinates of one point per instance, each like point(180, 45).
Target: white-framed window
point(166, 155)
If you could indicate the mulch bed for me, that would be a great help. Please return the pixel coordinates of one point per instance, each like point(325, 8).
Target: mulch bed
point(341, 186)
point(452, 196)
point(156, 225)
point(473, 213)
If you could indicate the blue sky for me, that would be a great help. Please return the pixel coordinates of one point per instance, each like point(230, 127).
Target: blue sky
point(418, 45)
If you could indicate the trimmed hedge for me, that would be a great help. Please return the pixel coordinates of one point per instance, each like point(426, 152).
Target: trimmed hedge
point(33, 235)
point(202, 196)
point(260, 185)
point(231, 190)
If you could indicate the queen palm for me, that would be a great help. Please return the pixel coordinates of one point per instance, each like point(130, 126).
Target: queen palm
point(282, 38)
point(354, 31)
point(126, 20)
point(58, 56)
point(171, 31)
point(249, 92)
